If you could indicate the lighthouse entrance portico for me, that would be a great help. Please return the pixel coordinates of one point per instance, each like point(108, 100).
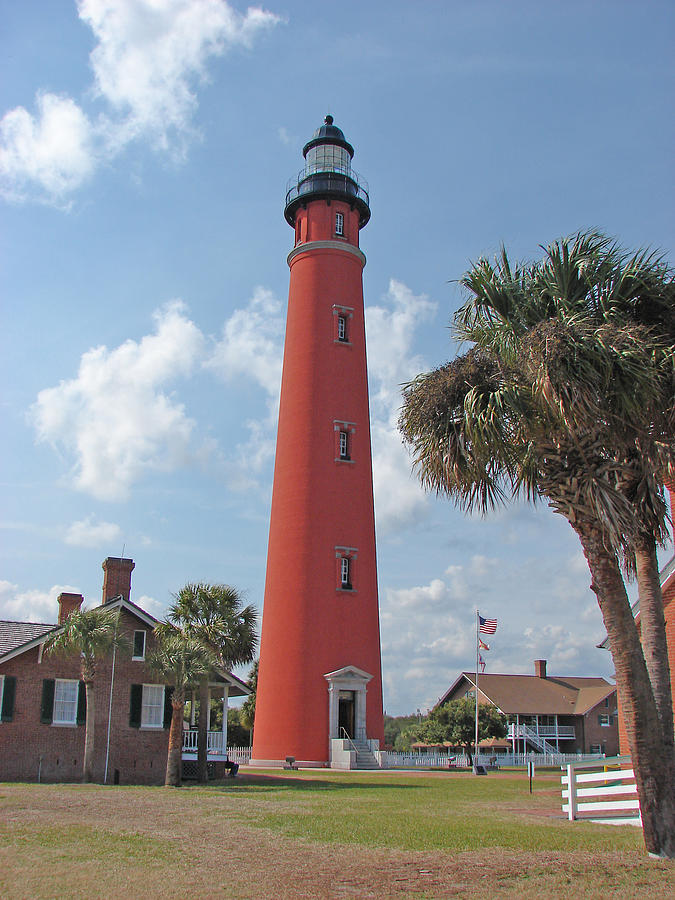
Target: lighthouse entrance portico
point(347, 710)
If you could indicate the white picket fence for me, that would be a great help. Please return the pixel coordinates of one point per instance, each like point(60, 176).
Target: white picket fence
point(607, 795)
point(443, 761)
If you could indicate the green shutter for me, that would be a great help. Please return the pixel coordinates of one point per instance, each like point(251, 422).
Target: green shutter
point(135, 705)
point(168, 708)
point(81, 704)
point(8, 692)
point(47, 706)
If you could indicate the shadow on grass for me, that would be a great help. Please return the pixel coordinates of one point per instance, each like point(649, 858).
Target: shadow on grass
point(245, 783)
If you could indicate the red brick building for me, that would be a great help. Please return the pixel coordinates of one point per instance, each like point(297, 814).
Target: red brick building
point(42, 705)
point(548, 713)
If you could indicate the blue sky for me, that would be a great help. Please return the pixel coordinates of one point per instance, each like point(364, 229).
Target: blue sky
point(145, 147)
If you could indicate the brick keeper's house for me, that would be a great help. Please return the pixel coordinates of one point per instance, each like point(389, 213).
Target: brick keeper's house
point(42, 703)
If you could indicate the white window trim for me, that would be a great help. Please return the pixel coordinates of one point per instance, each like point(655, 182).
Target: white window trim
point(604, 724)
point(342, 312)
point(151, 726)
point(348, 554)
point(57, 682)
point(345, 571)
point(348, 428)
point(145, 638)
point(340, 224)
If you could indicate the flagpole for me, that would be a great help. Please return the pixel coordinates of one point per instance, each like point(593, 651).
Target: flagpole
point(475, 754)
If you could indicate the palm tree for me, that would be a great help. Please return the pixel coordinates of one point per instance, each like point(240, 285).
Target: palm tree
point(91, 635)
point(214, 615)
point(182, 661)
point(562, 402)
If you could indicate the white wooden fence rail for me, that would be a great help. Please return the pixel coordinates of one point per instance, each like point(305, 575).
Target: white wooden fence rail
point(605, 795)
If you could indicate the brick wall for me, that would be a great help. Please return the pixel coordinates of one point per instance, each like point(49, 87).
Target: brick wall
point(29, 747)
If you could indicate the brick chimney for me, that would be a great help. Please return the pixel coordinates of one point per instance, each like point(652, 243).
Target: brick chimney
point(67, 604)
point(117, 577)
point(540, 668)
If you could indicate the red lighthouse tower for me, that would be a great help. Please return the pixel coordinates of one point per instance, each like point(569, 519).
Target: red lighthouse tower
point(319, 695)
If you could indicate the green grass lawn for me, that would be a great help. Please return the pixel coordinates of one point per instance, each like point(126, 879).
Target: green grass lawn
point(315, 835)
point(414, 812)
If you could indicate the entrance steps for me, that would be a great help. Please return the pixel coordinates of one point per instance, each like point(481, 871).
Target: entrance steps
point(365, 758)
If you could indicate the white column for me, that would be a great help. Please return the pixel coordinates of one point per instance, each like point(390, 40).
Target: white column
point(226, 694)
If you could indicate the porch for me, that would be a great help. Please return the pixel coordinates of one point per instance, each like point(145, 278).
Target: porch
point(224, 686)
point(541, 733)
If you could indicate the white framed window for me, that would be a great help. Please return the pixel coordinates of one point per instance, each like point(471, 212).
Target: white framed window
point(596, 748)
point(139, 645)
point(339, 224)
point(152, 706)
point(344, 445)
point(65, 701)
point(345, 572)
point(605, 720)
point(342, 328)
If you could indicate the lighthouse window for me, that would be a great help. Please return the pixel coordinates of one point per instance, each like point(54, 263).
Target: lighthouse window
point(339, 224)
point(344, 445)
point(345, 572)
point(342, 328)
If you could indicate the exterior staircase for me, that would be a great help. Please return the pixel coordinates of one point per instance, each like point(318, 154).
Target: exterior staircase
point(365, 758)
point(537, 741)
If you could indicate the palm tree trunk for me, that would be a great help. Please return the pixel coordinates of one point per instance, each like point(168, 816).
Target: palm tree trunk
point(88, 764)
point(174, 757)
point(203, 731)
point(653, 632)
point(653, 760)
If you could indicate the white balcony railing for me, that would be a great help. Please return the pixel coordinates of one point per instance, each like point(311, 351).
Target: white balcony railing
point(214, 743)
point(562, 732)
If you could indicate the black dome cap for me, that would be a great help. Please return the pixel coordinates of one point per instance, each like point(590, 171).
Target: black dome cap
point(328, 134)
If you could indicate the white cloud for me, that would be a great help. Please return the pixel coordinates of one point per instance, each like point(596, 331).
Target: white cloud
point(391, 332)
point(115, 417)
point(90, 533)
point(544, 609)
point(148, 58)
point(150, 53)
point(252, 344)
point(53, 149)
point(32, 605)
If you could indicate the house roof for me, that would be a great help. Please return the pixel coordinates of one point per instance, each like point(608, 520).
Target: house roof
point(532, 695)
point(16, 634)
point(19, 637)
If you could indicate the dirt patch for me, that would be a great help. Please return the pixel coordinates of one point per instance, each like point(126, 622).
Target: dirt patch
point(173, 844)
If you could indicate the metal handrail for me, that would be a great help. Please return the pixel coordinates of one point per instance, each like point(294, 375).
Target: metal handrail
point(347, 738)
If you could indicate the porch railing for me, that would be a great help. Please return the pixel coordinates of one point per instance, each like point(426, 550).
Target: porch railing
point(562, 732)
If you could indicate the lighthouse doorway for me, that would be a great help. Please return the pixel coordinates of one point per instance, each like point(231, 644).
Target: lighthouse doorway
point(347, 713)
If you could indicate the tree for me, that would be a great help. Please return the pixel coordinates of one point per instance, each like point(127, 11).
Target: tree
point(181, 660)
point(567, 395)
point(214, 615)
point(455, 722)
point(91, 635)
point(247, 712)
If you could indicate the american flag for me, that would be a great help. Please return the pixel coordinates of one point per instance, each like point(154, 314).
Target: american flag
point(487, 626)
